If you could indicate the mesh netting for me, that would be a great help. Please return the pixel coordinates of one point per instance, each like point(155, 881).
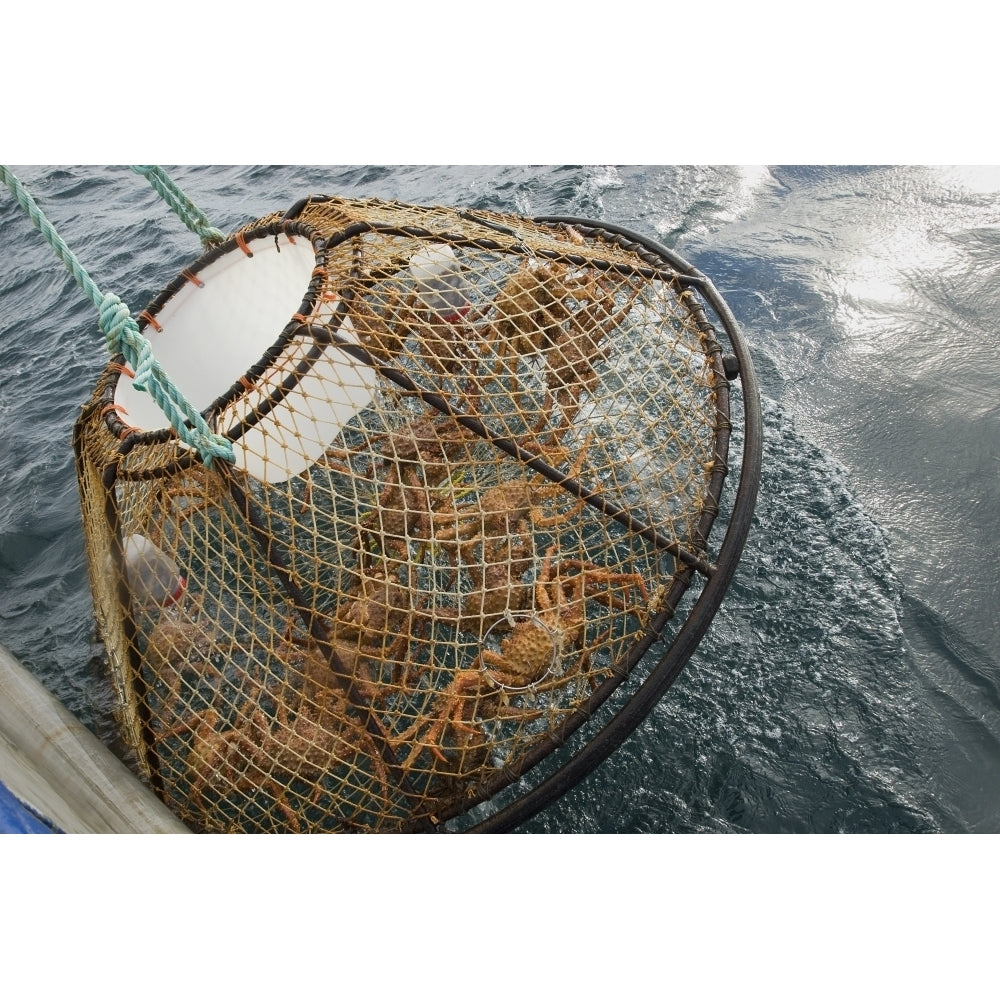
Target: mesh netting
point(477, 463)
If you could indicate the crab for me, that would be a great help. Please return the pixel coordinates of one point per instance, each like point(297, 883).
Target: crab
point(382, 335)
point(384, 331)
point(311, 732)
point(561, 314)
point(414, 459)
point(515, 505)
point(456, 709)
point(493, 539)
point(540, 302)
point(378, 604)
point(530, 308)
point(178, 656)
point(493, 543)
point(535, 647)
point(509, 508)
point(377, 619)
point(176, 643)
point(578, 347)
point(498, 588)
point(538, 643)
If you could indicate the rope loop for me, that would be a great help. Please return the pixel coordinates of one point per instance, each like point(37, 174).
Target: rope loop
point(122, 336)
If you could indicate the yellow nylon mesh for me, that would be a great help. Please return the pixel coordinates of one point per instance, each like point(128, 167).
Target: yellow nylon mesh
point(403, 627)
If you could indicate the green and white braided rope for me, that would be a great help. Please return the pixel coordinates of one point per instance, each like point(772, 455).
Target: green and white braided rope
point(186, 210)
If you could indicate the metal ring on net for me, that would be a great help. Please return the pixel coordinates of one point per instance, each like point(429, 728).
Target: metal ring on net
point(478, 459)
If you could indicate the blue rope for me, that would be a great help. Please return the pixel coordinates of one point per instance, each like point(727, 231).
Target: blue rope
point(122, 336)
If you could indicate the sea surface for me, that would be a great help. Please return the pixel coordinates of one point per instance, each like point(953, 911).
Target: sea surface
point(851, 680)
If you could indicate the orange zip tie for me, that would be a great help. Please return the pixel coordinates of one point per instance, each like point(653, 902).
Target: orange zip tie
point(192, 277)
point(126, 428)
point(304, 320)
point(151, 320)
point(246, 383)
point(319, 271)
point(242, 244)
point(122, 369)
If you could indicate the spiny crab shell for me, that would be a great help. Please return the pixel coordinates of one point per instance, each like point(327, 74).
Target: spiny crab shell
point(527, 654)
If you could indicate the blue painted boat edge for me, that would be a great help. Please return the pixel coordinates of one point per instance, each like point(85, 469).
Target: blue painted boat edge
point(19, 817)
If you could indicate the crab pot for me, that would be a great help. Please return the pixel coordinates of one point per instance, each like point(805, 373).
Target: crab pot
point(477, 464)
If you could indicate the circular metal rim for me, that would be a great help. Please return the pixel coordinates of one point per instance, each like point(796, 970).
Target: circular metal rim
point(599, 747)
point(233, 245)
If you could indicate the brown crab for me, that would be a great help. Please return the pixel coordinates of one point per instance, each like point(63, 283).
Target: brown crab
point(311, 733)
point(384, 327)
point(377, 620)
point(536, 646)
point(414, 459)
point(530, 308)
point(493, 539)
point(496, 569)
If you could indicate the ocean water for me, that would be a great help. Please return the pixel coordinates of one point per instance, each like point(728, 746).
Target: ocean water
point(851, 680)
